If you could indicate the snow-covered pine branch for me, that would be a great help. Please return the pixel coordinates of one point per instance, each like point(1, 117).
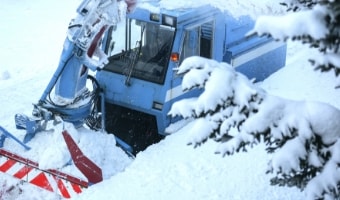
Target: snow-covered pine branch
point(313, 22)
point(303, 137)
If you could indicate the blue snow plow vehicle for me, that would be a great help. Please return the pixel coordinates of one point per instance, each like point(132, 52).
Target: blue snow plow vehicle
point(140, 82)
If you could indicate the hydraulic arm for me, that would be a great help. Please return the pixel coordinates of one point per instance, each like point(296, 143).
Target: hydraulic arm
point(72, 101)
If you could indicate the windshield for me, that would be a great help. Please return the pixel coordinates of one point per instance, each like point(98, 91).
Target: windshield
point(145, 52)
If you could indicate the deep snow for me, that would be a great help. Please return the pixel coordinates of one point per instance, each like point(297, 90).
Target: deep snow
point(32, 36)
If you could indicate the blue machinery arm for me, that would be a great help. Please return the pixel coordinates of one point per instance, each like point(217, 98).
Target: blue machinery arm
point(72, 101)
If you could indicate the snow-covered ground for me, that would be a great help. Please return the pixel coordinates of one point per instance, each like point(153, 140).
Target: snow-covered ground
point(32, 34)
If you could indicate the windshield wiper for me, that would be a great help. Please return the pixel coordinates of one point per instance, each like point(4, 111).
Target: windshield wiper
point(135, 57)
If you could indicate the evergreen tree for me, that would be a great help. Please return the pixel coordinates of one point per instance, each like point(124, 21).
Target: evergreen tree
point(318, 24)
point(303, 137)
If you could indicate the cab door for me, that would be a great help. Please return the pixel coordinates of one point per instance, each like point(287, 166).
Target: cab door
point(198, 41)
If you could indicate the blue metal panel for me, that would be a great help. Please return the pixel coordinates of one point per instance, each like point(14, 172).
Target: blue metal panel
point(264, 65)
point(257, 58)
point(219, 37)
point(139, 95)
point(236, 29)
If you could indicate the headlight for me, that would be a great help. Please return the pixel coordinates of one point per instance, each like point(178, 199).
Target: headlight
point(169, 21)
point(154, 17)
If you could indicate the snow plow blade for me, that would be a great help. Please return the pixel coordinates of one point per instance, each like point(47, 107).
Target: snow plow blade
point(91, 171)
point(29, 171)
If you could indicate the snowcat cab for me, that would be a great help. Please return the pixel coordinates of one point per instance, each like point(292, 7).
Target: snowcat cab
point(140, 82)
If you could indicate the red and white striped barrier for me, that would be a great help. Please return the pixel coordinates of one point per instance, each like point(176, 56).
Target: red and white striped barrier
point(51, 180)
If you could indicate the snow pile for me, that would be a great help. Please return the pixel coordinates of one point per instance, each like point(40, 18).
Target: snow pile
point(49, 149)
point(237, 8)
